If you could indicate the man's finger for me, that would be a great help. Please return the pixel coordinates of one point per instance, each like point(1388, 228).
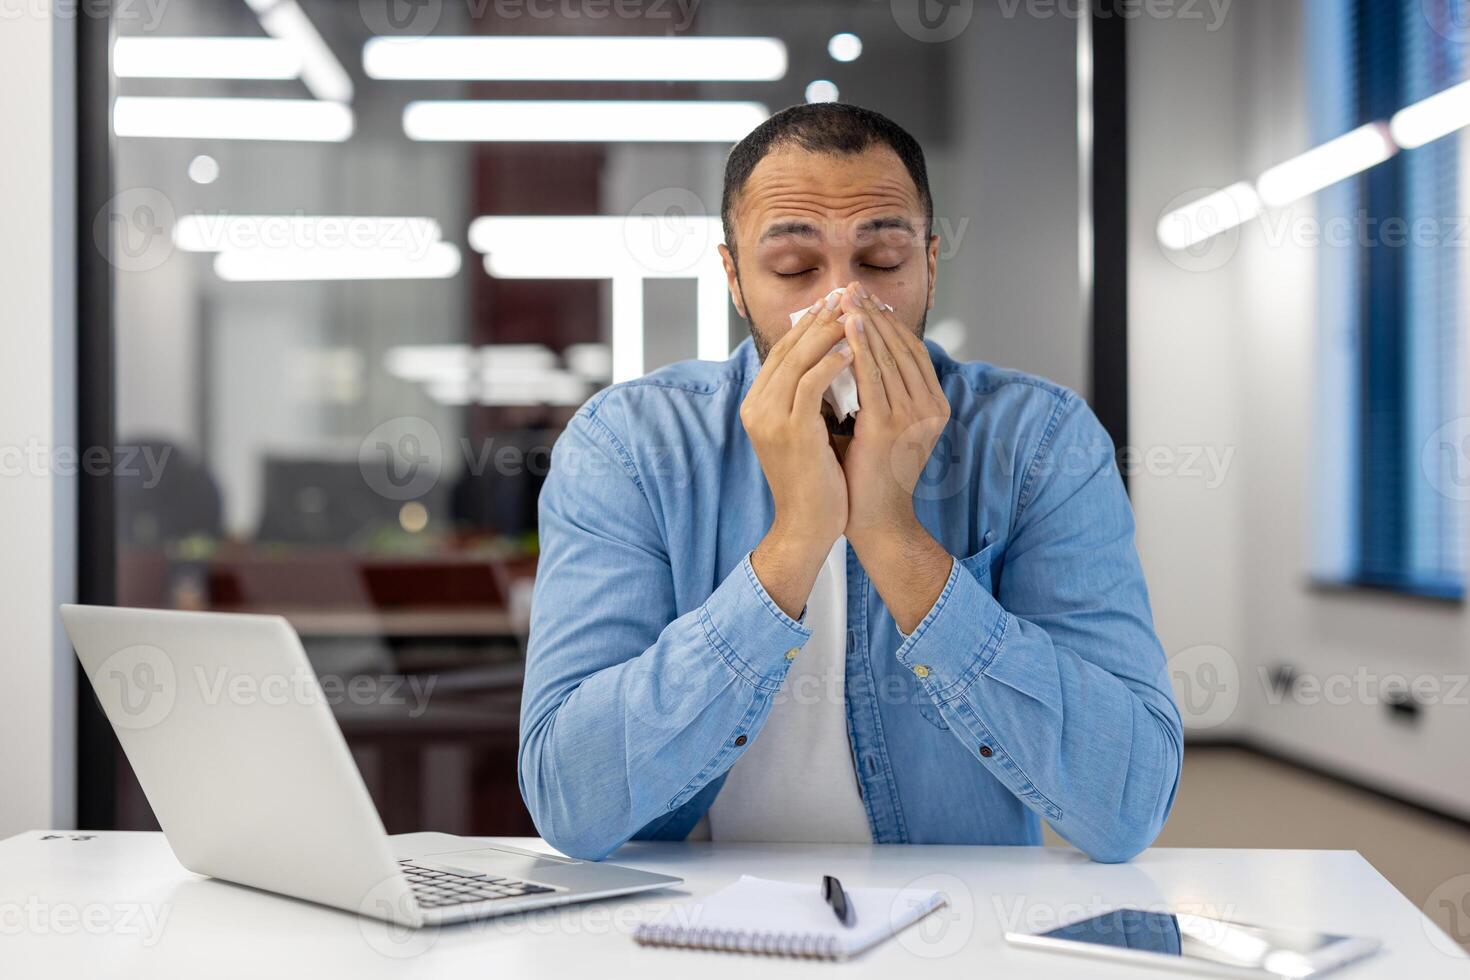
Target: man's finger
point(815, 382)
point(807, 350)
point(872, 397)
point(883, 361)
point(778, 351)
point(897, 341)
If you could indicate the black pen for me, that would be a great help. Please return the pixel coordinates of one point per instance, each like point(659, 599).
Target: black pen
point(833, 894)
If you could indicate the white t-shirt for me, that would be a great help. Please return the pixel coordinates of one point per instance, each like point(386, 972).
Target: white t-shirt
point(796, 782)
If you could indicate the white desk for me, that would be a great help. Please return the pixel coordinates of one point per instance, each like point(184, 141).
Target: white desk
point(119, 905)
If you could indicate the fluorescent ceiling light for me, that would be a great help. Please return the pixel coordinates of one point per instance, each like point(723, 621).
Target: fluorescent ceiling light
point(1429, 119)
point(509, 58)
point(845, 47)
point(627, 250)
point(204, 57)
point(203, 232)
point(821, 90)
point(583, 122)
point(430, 362)
point(646, 246)
point(1325, 165)
point(204, 169)
point(1209, 216)
point(440, 261)
point(321, 72)
point(461, 362)
point(306, 120)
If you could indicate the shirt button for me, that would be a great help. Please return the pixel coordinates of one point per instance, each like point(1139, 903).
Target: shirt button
point(920, 671)
point(791, 654)
point(985, 752)
point(741, 740)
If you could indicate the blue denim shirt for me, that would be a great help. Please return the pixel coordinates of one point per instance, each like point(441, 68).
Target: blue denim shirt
point(1034, 688)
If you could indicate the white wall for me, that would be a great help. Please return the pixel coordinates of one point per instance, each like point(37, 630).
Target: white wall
point(37, 504)
point(1226, 357)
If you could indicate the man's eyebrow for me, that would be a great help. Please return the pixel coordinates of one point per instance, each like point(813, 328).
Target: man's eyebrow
point(884, 224)
point(783, 229)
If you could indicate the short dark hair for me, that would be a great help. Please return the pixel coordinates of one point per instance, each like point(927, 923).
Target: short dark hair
point(822, 127)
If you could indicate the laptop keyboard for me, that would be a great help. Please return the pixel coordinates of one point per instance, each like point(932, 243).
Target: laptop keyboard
point(436, 888)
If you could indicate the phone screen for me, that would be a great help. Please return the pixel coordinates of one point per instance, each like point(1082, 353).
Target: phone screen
point(1283, 952)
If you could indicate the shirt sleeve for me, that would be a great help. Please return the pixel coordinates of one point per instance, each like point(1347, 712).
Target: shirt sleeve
point(1057, 683)
point(631, 705)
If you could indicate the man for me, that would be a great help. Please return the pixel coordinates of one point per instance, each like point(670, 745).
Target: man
point(752, 622)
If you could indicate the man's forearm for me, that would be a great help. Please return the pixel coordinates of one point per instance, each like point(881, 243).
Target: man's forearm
point(787, 565)
point(908, 568)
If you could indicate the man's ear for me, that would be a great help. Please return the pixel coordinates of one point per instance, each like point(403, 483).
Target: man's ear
point(733, 281)
point(933, 258)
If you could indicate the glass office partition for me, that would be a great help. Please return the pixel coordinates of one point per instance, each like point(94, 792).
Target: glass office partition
point(370, 257)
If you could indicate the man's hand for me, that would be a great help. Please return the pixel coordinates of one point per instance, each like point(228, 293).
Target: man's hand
point(782, 415)
point(903, 414)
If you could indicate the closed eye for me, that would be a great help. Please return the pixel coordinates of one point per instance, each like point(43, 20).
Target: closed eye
point(794, 275)
point(883, 268)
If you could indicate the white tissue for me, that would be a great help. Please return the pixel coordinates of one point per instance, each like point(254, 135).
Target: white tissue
point(841, 394)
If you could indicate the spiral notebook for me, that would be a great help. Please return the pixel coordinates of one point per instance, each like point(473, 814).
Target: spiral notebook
point(782, 918)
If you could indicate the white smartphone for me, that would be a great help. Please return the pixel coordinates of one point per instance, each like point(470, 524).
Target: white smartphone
point(1195, 943)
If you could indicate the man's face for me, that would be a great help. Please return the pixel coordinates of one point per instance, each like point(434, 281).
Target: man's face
point(807, 223)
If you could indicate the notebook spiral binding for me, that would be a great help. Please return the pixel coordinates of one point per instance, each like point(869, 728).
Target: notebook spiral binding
point(796, 944)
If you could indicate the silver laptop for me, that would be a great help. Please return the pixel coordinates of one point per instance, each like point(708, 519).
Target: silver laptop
point(234, 743)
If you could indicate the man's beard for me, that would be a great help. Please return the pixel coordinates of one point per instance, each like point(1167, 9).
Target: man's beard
point(763, 347)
